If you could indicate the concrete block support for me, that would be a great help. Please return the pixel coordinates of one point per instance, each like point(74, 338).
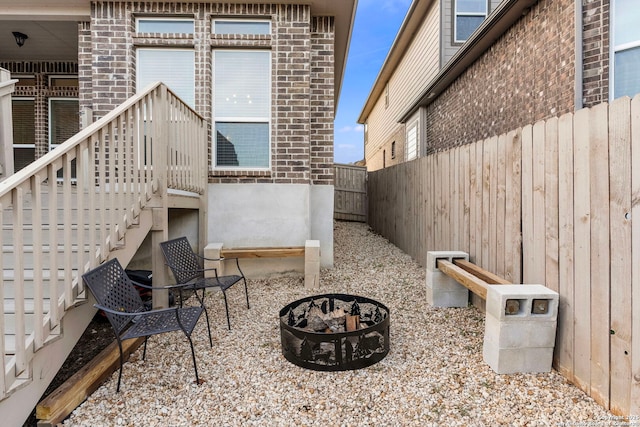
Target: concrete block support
point(312, 264)
point(520, 328)
point(442, 290)
point(212, 250)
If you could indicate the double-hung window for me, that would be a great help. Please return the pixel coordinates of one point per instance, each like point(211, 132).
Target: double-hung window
point(625, 48)
point(242, 108)
point(468, 16)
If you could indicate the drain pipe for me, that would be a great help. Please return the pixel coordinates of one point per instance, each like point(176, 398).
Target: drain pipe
point(578, 98)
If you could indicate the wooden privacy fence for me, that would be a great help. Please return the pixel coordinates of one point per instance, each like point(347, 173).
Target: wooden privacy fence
point(350, 195)
point(552, 203)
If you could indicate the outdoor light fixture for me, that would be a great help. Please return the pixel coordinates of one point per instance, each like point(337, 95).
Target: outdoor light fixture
point(20, 38)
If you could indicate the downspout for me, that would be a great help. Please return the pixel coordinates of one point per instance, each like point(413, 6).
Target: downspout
point(578, 97)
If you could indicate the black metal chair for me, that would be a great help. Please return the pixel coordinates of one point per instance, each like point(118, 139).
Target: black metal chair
point(188, 269)
point(116, 295)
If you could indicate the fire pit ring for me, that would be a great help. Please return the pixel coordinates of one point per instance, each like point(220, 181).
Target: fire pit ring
point(361, 341)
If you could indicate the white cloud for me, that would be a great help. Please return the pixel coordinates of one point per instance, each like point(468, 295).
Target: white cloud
point(357, 128)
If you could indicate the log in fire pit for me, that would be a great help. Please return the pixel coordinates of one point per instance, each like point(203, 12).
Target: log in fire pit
point(334, 332)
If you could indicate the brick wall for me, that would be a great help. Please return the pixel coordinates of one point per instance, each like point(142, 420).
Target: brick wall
point(595, 44)
point(302, 70)
point(526, 76)
point(322, 100)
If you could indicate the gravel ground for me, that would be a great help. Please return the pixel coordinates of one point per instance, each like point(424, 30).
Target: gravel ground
point(433, 375)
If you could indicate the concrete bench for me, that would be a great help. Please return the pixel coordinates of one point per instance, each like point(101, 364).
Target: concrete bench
point(520, 320)
point(310, 251)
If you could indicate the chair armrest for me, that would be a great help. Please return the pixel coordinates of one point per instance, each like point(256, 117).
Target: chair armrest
point(216, 259)
point(158, 288)
point(135, 313)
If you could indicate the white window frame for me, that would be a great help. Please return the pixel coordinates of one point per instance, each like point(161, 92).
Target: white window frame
point(614, 49)
point(229, 119)
point(167, 49)
point(456, 14)
point(165, 18)
point(411, 151)
point(261, 21)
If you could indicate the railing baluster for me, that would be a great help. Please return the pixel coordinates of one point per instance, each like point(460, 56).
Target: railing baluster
point(67, 224)
point(38, 294)
point(54, 292)
point(18, 279)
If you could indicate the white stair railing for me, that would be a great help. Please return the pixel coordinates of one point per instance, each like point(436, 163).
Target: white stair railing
point(64, 213)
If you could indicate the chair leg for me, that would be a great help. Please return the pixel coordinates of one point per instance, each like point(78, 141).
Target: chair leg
point(193, 356)
point(206, 315)
point(226, 306)
point(246, 292)
point(121, 363)
point(144, 351)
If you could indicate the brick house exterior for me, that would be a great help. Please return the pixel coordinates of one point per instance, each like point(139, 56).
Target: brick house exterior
point(529, 61)
point(288, 200)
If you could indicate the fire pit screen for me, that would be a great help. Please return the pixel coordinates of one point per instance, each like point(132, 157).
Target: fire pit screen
point(334, 332)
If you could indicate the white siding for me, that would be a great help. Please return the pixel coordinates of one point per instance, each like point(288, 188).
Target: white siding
point(418, 66)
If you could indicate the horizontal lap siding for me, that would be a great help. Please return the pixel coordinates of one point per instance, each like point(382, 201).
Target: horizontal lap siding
point(551, 203)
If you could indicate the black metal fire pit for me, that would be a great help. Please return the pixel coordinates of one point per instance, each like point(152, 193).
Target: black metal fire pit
point(334, 332)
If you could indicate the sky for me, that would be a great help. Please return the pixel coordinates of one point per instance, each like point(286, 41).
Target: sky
point(376, 25)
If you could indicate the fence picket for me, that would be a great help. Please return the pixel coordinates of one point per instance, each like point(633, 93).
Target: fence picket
point(635, 257)
point(564, 353)
point(620, 206)
point(600, 263)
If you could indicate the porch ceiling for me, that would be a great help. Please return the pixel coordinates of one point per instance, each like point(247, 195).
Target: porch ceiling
point(48, 40)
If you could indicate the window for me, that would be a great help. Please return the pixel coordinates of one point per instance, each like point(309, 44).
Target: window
point(24, 132)
point(63, 81)
point(173, 67)
point(241, 26)
point(412, 141)
point(63, 124)
point(469, 14)
point(626, 48)
point(63, 120)
point(242, 108)
point(386, 95)
point(164, 25)
point(393, 150)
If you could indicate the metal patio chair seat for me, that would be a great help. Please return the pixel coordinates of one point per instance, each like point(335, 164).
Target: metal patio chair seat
point(117, 297)
point(188, 270)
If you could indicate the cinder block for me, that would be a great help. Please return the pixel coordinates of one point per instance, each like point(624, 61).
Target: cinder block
point(442, 290)
point(434, 256)
point(312, 250)
point(520, 334)
point(520, 328)
point(213, 250)
point(498, 295)
point(517, 360)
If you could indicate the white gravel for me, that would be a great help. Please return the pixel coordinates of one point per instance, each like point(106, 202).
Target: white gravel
point(433, 375)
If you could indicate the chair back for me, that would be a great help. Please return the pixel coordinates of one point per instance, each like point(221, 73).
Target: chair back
point(113, 289)
point(182, 261)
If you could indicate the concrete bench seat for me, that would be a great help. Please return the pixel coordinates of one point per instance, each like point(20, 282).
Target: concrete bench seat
point(310, 251)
